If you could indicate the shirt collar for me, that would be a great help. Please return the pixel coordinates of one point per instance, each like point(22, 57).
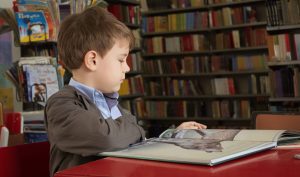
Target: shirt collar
point(110, 98)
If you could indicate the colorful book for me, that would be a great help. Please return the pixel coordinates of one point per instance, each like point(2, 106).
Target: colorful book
point(32, 26)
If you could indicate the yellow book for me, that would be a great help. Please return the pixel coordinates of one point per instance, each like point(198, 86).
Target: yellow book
point(125, 89)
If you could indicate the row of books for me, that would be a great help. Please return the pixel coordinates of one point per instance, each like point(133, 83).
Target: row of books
point(240, 38)
point(195, 42)
point(285, 82)
point(282, 12)
point(204, 64)
point(126, 13)
point(37, 20)
point(248, 84)
point(280, 47)
point(173, 87)
point(134, 61)
point(175, 22)
point(158, 4)
point(236, 15)
point(34, 127)
point(36, 78)
point(201, 20)
point(217, 109)
point(253, 84)
point(174, 4)
point(41, 50)
point(132, 85)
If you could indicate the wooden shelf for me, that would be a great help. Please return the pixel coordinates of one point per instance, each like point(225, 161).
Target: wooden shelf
point(205, 30)
point(225, 73)
point(171, 11)
point(203, 8)
point(284, 63)
point(242, 49)
point(284, 99)
point(235, 50)
point(133, 26)
point(136, 49)
point(131, 73)
point(130, 2)
point(131, 96)
point(166, 54)
point(242, 2)
point(207, 97)
point(171, 33)
point(283, 28)
point(245, 25)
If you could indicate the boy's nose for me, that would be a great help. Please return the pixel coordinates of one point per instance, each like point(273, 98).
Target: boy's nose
point(126, 68)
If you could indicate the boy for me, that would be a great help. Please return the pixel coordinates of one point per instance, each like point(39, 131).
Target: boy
point(84, 119)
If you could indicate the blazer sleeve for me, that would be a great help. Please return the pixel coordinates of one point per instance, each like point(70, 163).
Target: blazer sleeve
point(78, 128)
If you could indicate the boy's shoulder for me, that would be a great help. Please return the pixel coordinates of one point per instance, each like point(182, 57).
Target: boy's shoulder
point(67, 92)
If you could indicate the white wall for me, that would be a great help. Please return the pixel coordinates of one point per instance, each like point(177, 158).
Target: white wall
point(5, 3)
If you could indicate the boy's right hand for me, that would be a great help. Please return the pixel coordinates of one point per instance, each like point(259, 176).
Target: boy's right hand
point(191, 125)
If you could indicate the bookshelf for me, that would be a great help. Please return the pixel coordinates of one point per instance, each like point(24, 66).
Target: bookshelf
point(35, 74)
point(132, 89)
point(284, 59)
point(204, 62)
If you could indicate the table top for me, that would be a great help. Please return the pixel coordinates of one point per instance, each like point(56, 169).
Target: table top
point(270, 163)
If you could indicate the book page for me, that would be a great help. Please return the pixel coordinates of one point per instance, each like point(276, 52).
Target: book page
point(224, 134)
point(259, 135)
point(169, 152)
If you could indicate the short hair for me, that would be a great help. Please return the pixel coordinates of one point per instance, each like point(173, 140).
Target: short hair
point(93, 29)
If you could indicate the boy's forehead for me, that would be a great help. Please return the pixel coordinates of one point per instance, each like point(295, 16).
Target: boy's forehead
point(122, 42)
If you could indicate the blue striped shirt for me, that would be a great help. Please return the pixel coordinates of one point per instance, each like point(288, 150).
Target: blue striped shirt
point(106, 103)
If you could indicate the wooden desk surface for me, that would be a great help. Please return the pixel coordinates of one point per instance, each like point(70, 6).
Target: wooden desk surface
point(271, 163)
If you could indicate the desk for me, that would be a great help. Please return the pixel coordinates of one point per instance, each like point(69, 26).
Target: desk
point(271, 163)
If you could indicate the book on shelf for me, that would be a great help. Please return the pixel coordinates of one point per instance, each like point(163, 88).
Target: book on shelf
point(33, 26)
point(205, 147)
point(49, 14)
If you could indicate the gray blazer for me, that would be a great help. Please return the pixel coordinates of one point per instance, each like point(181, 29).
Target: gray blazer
point(77, 130)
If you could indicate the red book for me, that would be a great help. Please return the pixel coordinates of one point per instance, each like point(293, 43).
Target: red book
point(14, 122)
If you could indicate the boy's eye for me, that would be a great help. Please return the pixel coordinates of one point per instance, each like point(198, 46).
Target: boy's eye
point(121, 61)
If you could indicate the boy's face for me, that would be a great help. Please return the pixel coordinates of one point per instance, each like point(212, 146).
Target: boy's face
point(112, 68)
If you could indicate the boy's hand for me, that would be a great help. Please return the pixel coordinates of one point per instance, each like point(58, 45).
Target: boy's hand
point(191, 125)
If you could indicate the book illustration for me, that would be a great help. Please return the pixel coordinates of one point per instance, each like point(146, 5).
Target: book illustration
point(204, 147)
point(39, 92)
point(33, 26)
point(208, 141)
point(41, 81)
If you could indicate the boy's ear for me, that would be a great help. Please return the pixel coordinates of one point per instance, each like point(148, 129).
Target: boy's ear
point(90, 60)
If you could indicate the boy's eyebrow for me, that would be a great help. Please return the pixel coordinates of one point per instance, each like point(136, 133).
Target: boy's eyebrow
point(123, 54)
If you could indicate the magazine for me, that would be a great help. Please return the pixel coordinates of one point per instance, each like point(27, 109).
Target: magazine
point(33, 26)
point(205, 147)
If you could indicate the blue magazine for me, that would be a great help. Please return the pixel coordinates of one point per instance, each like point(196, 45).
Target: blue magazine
point(32, 26)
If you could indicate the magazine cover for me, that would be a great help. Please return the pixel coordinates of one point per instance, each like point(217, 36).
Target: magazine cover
point(41, 81)
point(32, 26)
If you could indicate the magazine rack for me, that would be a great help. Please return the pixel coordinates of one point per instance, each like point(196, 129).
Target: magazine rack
point(276, 120)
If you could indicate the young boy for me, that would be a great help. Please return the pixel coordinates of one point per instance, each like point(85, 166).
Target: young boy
point(84, 119)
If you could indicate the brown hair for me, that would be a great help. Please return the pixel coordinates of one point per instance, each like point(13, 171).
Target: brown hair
point(93, 29)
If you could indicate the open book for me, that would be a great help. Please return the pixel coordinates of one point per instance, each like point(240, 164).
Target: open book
point(206, 147)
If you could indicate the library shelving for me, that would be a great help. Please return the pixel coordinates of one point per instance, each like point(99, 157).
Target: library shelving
point(284, 54)
point(204, 61)
point(128, 11)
